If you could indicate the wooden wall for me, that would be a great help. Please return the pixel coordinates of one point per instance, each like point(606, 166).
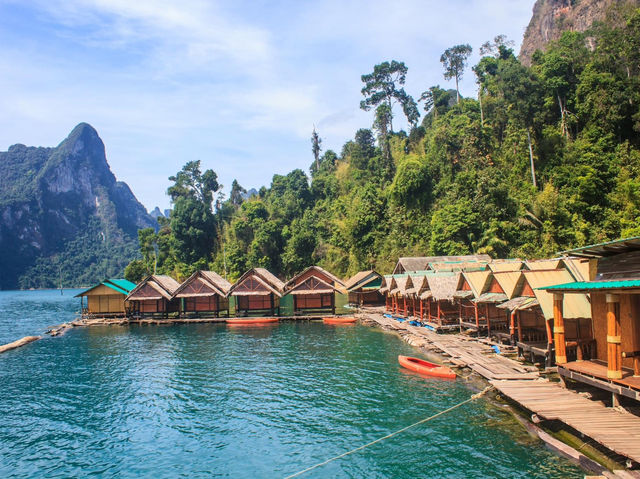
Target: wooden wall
point(111, 303)
point(629, 324)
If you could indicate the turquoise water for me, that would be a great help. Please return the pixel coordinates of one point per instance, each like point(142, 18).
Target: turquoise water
point(222, 401)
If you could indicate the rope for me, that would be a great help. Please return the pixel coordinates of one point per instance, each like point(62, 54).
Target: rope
point(422, 421)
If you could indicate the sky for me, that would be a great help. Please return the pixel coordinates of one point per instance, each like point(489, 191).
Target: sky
point(238, 85)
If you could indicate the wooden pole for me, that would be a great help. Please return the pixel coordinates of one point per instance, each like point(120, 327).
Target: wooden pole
point(421, 308)
point(439, 320)
point(519, 326)
point(486, 313)
point(475, 307)
point(614, 349)
point(558, 328)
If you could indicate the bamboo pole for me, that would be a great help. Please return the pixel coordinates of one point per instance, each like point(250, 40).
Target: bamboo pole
point(18, 343)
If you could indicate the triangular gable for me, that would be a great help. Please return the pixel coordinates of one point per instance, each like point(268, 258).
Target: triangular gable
point(253, 285)
point(508, 281)
point(312, 285)
point(478, 281)
point(198, 285)
point(574, 305)
point(494, 286)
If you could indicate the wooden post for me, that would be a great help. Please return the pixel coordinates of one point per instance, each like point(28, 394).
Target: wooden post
point(558, 329)
point(475, 307)
point(614, 347)
point(486, 313)
point(519, 326)
point(333, 303)
point(439, 320)
point(512, 323)
point(421, 308)
point(404, 302)
point(271, 303)
point(428, 309)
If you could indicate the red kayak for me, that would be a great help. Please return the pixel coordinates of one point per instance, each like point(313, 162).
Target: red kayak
point(337, 320)
point(252, 320)
point(425, 367)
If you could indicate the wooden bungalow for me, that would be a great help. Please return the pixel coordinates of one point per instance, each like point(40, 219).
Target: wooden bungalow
point(530, 314)
point(472, 285)
point(501, 288)
point(364, 289)
point(204, 294)
point(106, 299)
point(257, 293)
point(438, 307)
point(385, 288)
point(401, 291)
point(153, 297)
point(314, 291)
point(613, 363)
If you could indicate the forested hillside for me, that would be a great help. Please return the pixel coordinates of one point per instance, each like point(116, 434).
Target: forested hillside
point(64, 219)
point(545, 158)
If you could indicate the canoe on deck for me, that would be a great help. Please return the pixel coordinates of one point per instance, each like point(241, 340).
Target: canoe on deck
point(252, 320)
point(338, 320)
point(425, 367)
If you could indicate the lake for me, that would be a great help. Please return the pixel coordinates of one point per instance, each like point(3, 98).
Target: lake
point(212, 400)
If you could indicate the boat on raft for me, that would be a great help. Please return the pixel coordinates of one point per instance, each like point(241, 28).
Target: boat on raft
point(246, 321)
point(426, 368)
point(339, 320)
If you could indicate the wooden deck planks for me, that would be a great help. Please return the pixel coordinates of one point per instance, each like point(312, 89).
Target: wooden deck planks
point(618, 431)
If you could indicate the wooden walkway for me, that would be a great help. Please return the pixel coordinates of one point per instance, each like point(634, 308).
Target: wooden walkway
point(463, 352)
point(616, 430)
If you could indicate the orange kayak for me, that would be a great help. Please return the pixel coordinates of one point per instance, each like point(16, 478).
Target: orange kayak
point(252, 320)
point(337, 320)
point(425, 367)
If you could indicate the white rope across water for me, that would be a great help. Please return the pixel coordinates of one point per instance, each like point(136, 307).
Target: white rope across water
point(422, 421)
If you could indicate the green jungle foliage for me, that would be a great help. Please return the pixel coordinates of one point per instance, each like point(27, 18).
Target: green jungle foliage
point(462, 181)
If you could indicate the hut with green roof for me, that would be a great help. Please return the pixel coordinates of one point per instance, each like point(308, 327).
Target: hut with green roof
point(106, 299)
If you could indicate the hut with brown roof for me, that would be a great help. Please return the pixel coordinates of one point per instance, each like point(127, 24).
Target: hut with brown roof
point(364, 288)
point(472, 285)
point(437, 300)
point(257, 292)
point(314, 291)
point(204, 294)
point(613, 362)
point(400, 290)
point(153, 297)
point(531, 314)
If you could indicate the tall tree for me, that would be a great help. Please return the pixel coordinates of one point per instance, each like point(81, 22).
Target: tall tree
point(316, 141)
point(237, 194)
point(192, 219)
point(383, 87)
point(454, 60)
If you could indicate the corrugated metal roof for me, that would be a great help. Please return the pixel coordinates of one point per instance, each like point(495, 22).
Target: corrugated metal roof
point(575, 305)
point(609, 248)
point(594, 285)
point(121, 286)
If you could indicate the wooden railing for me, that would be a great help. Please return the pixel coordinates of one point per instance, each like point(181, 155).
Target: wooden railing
point(581, 349)
point(636, 360)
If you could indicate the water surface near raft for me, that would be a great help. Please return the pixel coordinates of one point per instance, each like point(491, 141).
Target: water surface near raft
point(216, 401)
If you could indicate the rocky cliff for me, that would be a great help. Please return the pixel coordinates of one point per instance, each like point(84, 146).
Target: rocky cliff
point(552, 17)
point(63, 213)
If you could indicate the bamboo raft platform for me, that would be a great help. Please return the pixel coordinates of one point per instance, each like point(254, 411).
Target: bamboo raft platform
point(616, 430)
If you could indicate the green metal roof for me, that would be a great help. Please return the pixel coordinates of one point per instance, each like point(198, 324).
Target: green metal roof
point(594, 285)
point(124, 284)
point(121, 286)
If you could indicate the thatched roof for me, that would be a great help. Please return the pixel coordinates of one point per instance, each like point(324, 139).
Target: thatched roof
point(413, 264)
point(214, 283)
point(575, 305)
point(403, 285)
point(316, 271)
point(262, 277)
point(518, 303)
point(458, 266)
point(506, 265)
point(443, 286)
point(164, 286)
point(491, 298)
point(361, 279)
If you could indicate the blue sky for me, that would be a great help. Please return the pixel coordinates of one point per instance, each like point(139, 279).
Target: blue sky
point(236, 84)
